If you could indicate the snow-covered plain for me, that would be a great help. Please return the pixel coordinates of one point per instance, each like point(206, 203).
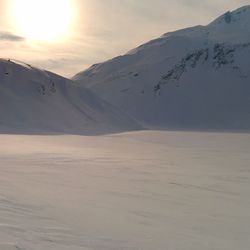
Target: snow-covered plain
point(143, 191)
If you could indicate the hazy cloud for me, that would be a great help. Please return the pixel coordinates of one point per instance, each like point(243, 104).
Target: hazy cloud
point(8, 36)
point(105, 29)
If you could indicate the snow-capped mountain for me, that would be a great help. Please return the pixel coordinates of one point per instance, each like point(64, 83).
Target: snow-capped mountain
point(37, 101)
point(195, 78)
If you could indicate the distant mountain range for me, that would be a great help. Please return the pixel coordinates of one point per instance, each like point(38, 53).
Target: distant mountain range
point(195, 78)
point(192, 79)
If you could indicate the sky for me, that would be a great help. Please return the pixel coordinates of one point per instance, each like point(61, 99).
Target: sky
point(97, 30)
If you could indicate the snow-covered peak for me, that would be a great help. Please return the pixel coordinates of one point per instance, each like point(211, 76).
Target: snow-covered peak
point(192, 78)
point(38, 101)
point(189, 32)
point(231, 27)
point(241, 15)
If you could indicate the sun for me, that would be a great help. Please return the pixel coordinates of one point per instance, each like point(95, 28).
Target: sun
point(42, 19)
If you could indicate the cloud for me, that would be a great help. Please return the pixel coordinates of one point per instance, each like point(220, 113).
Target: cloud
point(8, 36)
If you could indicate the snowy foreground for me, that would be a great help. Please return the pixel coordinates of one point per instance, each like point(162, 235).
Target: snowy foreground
point(140, 191)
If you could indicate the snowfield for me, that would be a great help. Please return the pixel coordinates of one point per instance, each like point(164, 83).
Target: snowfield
point(135, 191)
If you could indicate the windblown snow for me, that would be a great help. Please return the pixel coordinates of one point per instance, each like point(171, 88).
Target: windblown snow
point(144, 190)
point(196, 78)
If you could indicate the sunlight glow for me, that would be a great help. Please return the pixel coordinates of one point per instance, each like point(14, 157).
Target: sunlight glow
point(42, 19)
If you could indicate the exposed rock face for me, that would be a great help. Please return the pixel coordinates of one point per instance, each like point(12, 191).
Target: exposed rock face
point(220, 55)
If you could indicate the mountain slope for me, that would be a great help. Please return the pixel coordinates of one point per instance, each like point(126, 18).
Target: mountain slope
point(195, 78)
point(36, 101)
